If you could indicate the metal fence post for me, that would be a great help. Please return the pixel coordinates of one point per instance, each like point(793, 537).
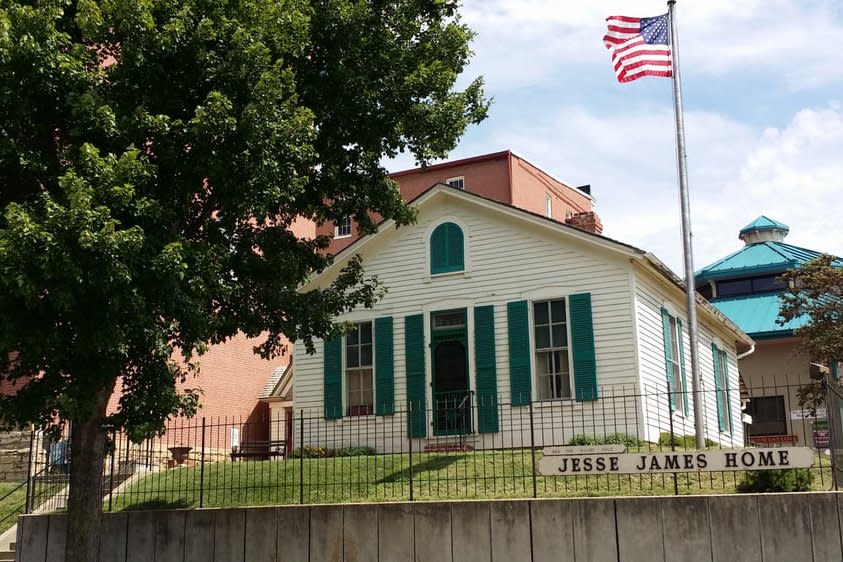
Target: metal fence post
point(202, 467)
point(832, 410)
point(410, 442)
point(533, 449)
point(301, 456)
point(111, 476)
point(29, 475)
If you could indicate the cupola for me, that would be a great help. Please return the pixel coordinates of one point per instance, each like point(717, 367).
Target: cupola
point(763, 229)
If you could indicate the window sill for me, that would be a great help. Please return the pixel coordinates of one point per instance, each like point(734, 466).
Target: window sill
point(341, 237)
point(464, 274)
point(545, 402)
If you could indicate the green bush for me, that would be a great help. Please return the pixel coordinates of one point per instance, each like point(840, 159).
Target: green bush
point(787, 480)
point(683, 441)
point(311, 452)
point(612, 439)
point(355, 452)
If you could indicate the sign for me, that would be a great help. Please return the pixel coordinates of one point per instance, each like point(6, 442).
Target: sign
point(585, 450)
point(678, 461)
point(806, 414)
point(822, 437)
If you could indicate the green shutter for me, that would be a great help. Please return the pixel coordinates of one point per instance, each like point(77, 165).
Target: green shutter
point(519, 352)
point(668, 354)
point(582, 347)
point(456, 258)
point(486, 377)
point(718, 390)
point(447, 249)
point(682, 367)
point(384, 368)
point(414, 356)
point(333, 378)
point(834, 367)
point(727, 411)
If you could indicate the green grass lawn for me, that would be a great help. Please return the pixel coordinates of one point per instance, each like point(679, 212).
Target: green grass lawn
point(482, 474)
point(11, 506)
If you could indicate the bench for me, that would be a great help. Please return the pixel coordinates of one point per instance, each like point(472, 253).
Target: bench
point(773, 439)
point(262, 450)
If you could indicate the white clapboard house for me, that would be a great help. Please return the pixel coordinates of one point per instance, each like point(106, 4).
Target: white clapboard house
point(495, 318)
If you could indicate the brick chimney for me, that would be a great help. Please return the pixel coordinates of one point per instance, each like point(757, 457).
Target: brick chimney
point(588, 221)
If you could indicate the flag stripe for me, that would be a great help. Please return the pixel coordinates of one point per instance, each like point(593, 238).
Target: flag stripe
point(626, 19)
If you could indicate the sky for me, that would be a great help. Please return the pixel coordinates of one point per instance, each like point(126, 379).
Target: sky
point(762, 85)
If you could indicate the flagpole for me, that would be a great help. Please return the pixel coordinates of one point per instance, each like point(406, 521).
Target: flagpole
point(696, 380)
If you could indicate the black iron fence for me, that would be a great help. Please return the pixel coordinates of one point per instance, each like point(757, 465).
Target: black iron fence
point(305, 458)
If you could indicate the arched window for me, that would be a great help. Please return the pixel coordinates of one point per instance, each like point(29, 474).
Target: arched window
point(446, 249)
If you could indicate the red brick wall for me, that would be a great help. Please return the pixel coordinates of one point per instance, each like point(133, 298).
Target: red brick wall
point(231, 377)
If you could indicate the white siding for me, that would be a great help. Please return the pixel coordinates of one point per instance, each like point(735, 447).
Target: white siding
point(649, 299)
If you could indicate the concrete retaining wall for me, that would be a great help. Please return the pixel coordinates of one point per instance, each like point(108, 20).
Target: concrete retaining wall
point(14, 455)
point(745, 528)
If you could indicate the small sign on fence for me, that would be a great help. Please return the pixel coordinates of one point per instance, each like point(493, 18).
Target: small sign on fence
point(585, 450)
point(821, 435)
point(803, 414)
point(677, 461)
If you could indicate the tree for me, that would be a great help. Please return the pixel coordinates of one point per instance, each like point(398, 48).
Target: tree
point(815, 294)
point(153, 155)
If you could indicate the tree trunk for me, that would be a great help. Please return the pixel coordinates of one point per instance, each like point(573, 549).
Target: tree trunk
point(84, 507)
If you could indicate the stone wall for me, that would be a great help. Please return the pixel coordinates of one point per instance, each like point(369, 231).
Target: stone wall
point(744, 528)
point(14, 455)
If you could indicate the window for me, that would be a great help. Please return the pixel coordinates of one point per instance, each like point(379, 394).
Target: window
point(358, 370)
point(724, 406)
point(343, 228)
point(550, 331)
point(446, 249)
point(768, 415)
point(674, 363)
point(735, 287)
point(548, 205)
point(458, 182)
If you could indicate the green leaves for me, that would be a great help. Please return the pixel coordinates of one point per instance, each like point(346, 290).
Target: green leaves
point(816, 294)
point(153, 156)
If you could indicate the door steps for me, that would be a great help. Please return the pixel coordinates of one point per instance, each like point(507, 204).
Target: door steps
point(8, 554)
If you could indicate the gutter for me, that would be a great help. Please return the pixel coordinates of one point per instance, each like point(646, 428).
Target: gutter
point(747, 353)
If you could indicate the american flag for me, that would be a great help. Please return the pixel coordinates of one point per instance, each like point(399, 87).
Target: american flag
point(639, 46)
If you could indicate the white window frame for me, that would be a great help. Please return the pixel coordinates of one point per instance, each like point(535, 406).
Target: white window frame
point(676, 365)
point(340, 228)
point(538, 378)
point(457, 182)
point(358, 369)
point(548, 205)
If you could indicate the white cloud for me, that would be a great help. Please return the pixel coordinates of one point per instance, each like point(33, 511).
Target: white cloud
point(522, 42)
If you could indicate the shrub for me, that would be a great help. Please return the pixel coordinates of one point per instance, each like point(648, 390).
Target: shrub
point(612, 439)
point(786, 480)
point(683, 441)
point(355, 452)
point(311, 452)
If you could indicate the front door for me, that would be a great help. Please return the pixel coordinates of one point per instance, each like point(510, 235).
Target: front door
point(451, 394)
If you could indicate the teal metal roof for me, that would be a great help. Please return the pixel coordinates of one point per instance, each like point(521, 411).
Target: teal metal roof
point(756, 314)
point(759, 258)
point(765, 223)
